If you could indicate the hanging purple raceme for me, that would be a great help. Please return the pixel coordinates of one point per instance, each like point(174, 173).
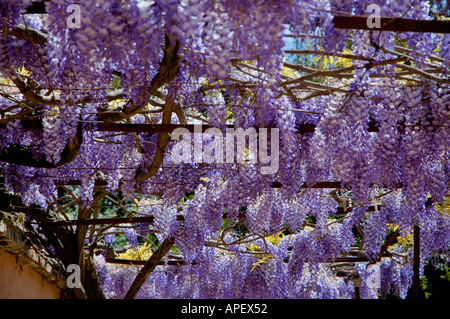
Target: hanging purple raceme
point(299, 254)
point(131, 235)
point(165, 218)
point(381, 130)
point(374, 229)
point(54, 138)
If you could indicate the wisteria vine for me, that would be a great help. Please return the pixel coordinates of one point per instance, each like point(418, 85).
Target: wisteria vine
point(379, 111)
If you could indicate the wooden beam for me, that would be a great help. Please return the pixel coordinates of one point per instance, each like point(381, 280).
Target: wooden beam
point(37, 8)
point(130, 262)
point(36, 124)
point(150, 219)
point(342, 22)
point(118, 220)
point(105, 221)
point(392, 24)
point(180, 262)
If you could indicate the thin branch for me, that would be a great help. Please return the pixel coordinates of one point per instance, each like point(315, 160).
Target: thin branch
point(420, 72)
point(317, 52)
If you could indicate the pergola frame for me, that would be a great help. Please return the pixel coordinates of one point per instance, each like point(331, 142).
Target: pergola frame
point(340, 22)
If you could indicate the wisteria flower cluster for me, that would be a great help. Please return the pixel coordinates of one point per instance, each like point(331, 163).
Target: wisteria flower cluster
point(364, 147)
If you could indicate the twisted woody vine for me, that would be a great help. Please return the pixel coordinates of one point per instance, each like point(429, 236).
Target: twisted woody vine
point(228, 149)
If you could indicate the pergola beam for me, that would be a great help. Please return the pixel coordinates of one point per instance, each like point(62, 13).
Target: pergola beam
point(36, 124)
point(392, 24)
point(37, 8)
point(150, 219)
point(342, 22)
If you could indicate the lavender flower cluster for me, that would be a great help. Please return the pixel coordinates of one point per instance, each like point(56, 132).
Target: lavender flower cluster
point(230, 60)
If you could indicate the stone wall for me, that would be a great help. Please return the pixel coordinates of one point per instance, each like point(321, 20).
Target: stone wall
point(26, 270)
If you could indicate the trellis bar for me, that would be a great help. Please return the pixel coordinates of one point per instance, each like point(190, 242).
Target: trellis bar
point(36, 124)
point(180, 262)
point(37, 8)
point(392, 24)
point(343, 22)
point(150, 219)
